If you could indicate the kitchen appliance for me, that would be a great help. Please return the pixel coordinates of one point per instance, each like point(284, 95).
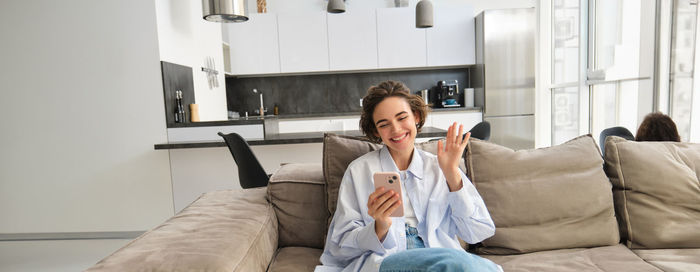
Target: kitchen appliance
point(504, 75)
point(447, 94)
point(424, 95)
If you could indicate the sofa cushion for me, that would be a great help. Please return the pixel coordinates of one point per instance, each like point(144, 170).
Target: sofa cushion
point(543, 199)
point(657, 192)
point(297, 192)
point(599, 259)
point(339, 151)
point(672, 260)
point(211, 234)
point(296, 259)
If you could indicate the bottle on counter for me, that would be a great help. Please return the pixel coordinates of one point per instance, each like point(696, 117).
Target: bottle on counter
point(177, 108)
point(276, 110)
point(180, 110)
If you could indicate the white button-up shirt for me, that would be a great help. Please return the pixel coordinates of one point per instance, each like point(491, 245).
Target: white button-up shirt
point(352, 244)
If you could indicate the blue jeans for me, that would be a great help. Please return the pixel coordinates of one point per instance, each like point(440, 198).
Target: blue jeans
point(417, 258)
point(412, 238)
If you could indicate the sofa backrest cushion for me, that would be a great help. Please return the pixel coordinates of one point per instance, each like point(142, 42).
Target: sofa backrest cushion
point(656, 192)
point(543, 199)
point(339, 151)
point(298, 196)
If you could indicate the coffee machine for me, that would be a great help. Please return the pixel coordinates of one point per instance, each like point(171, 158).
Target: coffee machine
point(446, 94)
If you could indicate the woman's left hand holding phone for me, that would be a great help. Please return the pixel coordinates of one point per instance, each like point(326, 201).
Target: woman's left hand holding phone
point(380, 206)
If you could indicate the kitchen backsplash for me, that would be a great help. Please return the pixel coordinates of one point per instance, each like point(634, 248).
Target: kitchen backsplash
point(334, 93)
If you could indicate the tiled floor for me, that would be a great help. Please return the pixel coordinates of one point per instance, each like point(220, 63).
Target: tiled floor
point(55, 255)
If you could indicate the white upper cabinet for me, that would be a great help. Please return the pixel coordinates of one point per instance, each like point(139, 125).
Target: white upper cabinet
point(400, 43)
point(303, 41)
point(451, 39)
point(352, 40)
point(254, 45)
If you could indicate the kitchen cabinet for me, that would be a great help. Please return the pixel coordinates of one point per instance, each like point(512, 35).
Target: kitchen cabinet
point(303, 42)
point(253, 45)
point(400, 44)
point(209, 133)
point(451, 39)
point(352, 40)
point(319, 124)
point(443, 120)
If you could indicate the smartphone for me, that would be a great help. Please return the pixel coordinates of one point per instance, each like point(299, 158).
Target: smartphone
point(390, 181)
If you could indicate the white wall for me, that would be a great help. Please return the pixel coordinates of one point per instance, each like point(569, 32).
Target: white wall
point(187, 39)
point(82, 107)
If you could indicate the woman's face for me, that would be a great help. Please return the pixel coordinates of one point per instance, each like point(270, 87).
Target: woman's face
point(395, 123)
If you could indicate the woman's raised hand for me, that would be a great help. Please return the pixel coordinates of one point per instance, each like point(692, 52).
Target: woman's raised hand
point(380, 205)
point(450, 152)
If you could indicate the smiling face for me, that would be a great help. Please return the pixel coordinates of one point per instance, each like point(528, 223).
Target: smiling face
point(396, 124)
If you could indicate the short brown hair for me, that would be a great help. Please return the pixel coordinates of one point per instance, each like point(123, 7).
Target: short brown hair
point(657, 127)
point(376, 94)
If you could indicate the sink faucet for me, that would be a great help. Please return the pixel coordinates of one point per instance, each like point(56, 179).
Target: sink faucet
point(262, 109)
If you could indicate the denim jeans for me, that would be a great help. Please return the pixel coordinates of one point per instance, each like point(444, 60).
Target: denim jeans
point(417, 258)
point(412, 238)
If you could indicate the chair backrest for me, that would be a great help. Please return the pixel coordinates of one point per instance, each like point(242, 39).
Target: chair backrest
point(251, 174)
point(481, 131)
point(613, 131)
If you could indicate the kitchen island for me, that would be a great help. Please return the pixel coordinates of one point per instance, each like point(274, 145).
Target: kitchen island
point(289, 138)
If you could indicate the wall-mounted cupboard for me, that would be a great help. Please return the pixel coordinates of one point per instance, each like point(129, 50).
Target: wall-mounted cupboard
point(253, 45)
point(363, 39)
point(352, 40)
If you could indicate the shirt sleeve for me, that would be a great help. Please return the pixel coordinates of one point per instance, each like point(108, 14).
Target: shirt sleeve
point(471, 220)
point(349, 235)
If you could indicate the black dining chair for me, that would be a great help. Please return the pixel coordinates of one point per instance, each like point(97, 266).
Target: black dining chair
point(251, 174)
point(481, 131)
point(613, 131)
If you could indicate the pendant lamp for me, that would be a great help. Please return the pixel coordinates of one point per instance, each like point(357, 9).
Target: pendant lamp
point(224, 11)
point(336, 6)
point(424, 14)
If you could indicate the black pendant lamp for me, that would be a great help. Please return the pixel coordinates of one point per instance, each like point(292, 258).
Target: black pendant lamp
point(424, 14)
point(336, 6)
point(224, 11)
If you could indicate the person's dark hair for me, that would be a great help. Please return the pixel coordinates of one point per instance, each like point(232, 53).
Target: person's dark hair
point(376, 94)
point(657, 127)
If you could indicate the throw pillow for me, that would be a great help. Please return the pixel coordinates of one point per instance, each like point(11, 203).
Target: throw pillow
point(656, 191)
point(544, 199)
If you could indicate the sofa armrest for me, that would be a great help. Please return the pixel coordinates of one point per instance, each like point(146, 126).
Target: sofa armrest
point(232, 230)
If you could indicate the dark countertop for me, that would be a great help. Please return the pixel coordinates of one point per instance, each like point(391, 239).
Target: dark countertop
point(259, 120)
point(290, 138)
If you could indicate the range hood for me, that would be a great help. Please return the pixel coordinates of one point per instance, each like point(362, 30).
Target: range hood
point(224, 11)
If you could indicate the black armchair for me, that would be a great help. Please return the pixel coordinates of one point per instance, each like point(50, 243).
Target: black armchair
point(251, 174)
point(613, 131)
point(481, 131)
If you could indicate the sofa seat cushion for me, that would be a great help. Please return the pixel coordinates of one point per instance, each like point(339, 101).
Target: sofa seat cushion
point(544, 199)
point(608, 258)
point(293, 259)
point(298, 194)
point(212, 234)
point(672, 260)
point(657, 192)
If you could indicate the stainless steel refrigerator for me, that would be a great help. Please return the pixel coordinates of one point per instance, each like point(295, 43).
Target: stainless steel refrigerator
point(504, 75)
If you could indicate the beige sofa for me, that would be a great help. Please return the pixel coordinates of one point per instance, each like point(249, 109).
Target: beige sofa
point(562, 208)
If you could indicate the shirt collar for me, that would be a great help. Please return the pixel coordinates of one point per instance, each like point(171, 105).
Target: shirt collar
point(388, 165)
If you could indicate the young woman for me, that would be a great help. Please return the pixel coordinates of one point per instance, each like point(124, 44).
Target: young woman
point(439, 202)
